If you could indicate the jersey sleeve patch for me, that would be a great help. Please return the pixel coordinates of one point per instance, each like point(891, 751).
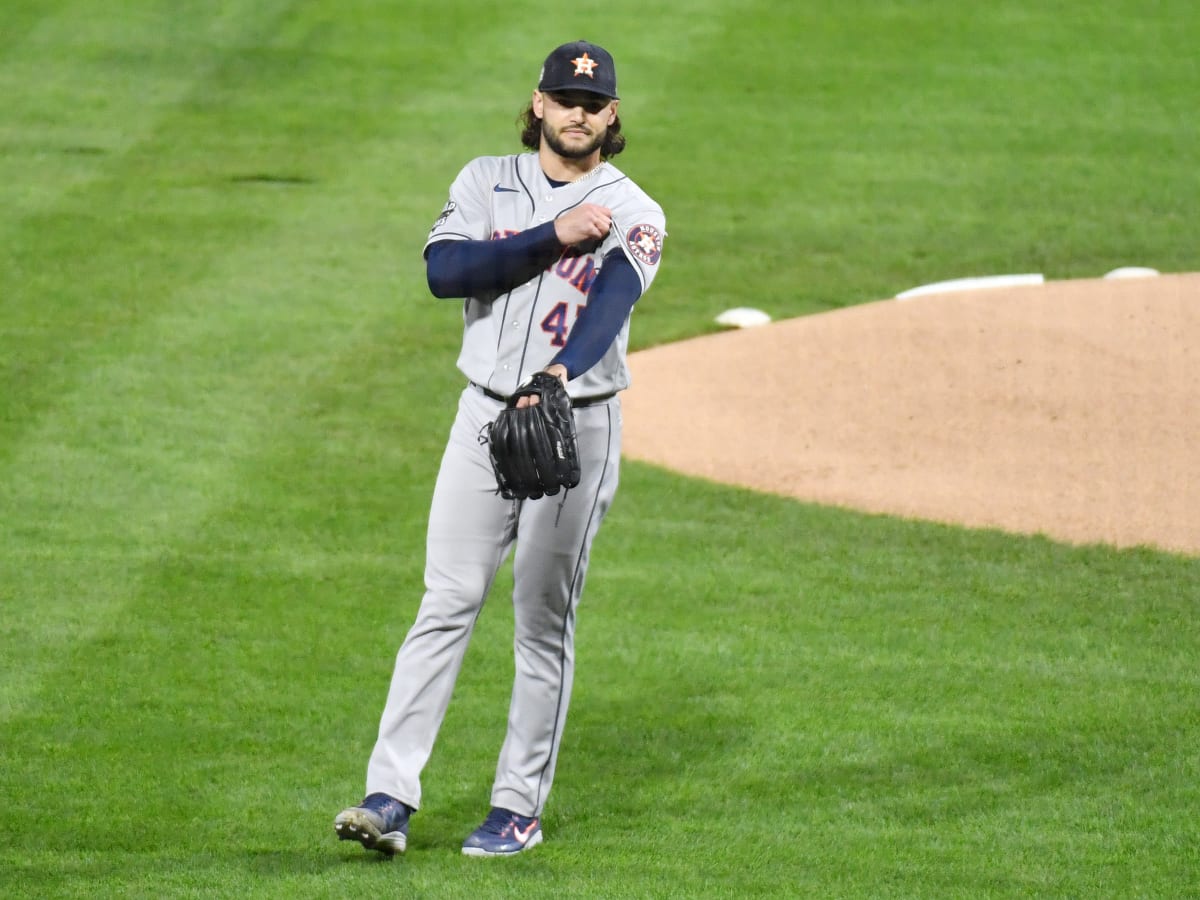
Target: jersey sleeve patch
point(446, 213)
point(645, 242)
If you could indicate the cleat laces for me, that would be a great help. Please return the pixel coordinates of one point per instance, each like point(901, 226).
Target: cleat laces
point(497, 821)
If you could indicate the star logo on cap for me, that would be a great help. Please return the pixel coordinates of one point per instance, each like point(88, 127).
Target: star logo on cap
point(584, 65)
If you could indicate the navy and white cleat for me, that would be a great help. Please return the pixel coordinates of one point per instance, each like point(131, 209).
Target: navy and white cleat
point(503, 833)
point(380, 823)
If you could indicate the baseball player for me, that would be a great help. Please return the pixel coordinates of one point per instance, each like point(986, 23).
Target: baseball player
point(550, 249)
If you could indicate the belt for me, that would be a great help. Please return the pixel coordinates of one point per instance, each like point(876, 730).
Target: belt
point(578, 404)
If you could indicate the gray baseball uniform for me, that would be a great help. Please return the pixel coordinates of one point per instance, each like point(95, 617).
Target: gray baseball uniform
point(471, 528)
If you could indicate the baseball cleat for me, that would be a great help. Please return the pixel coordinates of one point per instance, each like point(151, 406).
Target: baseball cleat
point(503, 833)
point(380, 823)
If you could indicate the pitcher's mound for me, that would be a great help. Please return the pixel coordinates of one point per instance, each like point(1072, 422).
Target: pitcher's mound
point(1070, 409)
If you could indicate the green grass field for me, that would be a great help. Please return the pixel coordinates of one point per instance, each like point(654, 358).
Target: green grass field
point(224, 390)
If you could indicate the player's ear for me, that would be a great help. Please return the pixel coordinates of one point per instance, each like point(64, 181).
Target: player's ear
point(536, 103)
point(612, 111)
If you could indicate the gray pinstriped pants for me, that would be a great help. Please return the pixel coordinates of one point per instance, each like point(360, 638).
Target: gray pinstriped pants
point(471, 531)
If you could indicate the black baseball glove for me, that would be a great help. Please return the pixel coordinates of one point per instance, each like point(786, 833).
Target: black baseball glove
point(533, 450)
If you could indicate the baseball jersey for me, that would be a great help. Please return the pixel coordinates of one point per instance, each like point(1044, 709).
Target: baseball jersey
point(508, 337)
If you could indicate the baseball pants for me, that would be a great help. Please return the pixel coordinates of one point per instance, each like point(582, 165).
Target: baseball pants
point(472, 529)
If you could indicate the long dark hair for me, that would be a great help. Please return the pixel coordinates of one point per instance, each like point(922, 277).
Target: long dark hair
point(531, 134)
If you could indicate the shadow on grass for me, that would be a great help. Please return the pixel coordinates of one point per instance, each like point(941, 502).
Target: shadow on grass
point(129, 873)
point(289, 863)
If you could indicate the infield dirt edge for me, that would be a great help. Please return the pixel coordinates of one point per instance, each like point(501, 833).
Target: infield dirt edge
point(1065, 409)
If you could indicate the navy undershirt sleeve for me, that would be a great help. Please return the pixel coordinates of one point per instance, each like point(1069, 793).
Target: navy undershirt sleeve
point(612, 295)
point(474, 268)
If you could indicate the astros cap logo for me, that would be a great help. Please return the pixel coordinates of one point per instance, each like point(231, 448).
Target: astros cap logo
point(584, 65)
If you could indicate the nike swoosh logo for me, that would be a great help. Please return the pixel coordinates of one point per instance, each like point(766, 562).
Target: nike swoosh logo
point(523, 836)
point(502, 190)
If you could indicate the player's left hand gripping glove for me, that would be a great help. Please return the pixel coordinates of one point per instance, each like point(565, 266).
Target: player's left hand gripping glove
point(533, 449)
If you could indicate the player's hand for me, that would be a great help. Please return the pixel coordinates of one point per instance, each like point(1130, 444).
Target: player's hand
point(558, 370)
point(586, 222)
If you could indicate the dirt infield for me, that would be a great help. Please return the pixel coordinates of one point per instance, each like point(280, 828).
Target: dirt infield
point(1070, 409)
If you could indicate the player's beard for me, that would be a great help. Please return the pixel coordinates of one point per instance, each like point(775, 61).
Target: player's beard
point(577, 152)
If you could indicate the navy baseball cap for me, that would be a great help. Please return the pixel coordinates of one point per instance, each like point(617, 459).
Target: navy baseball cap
point(579, 66)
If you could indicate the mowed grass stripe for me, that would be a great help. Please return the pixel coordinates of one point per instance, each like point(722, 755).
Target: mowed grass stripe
point(89, 262)
point(83, 86)
point(19, 17)
point(218, 636)
point(151, 440)
point(141, 428)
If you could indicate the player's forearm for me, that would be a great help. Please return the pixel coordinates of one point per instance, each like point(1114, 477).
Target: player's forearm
point(472, 268)
point(610, 299)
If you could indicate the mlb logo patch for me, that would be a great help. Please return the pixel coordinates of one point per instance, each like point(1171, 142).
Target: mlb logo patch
point(645, 242)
